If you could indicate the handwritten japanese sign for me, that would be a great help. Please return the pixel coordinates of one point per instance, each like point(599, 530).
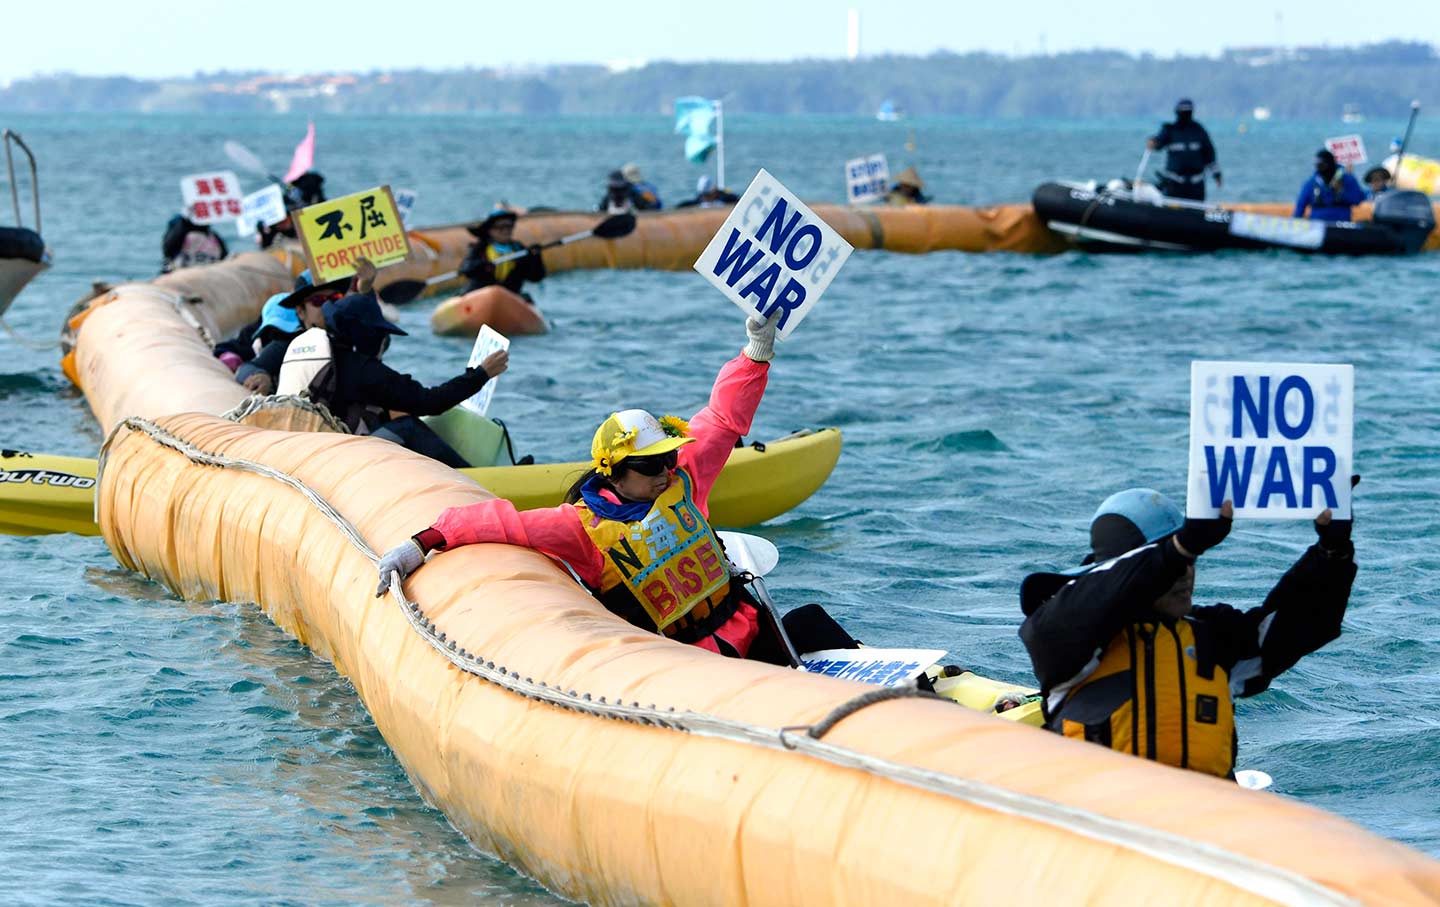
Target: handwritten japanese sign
point(211, 198)
point(363, 225)
point(1276, 439)
point(1349, 150)
point(883, 667)
point(867, 179)
point(486, 342)
point(773, 253)
point(262, 207)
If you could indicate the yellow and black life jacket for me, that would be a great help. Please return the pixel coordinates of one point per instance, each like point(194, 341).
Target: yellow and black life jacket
point(502, 269)
point(1156, 694)
point(665, 572)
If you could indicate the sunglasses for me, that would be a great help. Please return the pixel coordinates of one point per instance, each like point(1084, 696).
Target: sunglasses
point(651, 466)
point(321, 298)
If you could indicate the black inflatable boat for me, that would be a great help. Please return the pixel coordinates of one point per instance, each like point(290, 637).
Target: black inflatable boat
point(1118, 219)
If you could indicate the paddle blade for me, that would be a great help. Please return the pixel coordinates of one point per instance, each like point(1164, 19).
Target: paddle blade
point(401, 291)
point(615, 226)
point(1253, 779)
point(244, 158)
point(750, 553)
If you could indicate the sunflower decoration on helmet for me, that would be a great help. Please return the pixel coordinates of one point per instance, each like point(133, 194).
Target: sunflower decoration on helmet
point(635, 433)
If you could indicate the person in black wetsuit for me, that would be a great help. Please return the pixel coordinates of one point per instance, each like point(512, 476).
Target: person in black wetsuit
point(495, 238)
point(1189, 155)
point(1127, 661)
point(367, 395)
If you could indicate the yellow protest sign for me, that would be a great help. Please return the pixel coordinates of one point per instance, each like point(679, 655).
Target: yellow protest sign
point(363, 225)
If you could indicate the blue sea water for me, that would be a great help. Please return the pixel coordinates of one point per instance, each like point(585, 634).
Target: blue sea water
point(154, 751)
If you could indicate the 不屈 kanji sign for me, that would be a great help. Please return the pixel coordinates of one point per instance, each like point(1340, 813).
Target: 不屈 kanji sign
point(364, 225)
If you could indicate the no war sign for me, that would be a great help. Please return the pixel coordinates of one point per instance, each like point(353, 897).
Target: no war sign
point(1277, 439)
point(773, 253)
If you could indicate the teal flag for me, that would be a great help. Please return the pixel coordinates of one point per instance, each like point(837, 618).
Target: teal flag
point(695, 119)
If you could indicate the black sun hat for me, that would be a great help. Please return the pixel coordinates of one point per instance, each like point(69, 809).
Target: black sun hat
point(497, 214)
point(298, 297)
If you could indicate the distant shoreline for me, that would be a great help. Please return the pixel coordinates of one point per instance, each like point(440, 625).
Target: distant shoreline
point(1378, 81)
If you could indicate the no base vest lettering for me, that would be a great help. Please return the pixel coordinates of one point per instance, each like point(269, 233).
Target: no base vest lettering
point(680, 578)
point(668, 562)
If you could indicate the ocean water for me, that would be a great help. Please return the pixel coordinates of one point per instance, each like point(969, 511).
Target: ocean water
point(154, 751)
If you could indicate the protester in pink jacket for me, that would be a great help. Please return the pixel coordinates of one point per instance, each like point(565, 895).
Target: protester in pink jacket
point(635, 528)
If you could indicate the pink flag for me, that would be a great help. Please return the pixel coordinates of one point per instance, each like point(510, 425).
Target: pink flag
point(304, 157)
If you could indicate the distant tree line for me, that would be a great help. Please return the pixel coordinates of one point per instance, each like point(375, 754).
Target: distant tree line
point(1303, 82)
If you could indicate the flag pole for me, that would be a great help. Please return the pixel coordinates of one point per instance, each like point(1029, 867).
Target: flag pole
point(719, 144)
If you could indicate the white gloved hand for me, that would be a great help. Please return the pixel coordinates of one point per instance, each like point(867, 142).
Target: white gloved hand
point(761, 347)
point(404, 559)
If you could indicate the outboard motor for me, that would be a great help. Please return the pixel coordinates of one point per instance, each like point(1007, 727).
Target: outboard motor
point(1407, 213)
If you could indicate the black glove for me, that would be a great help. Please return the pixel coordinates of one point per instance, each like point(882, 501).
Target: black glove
point(1198, 536)
point(1335, 535)
point(533, 250)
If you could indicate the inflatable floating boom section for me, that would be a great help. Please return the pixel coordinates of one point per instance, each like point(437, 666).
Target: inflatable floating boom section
point(672, 240)
point(616, 766)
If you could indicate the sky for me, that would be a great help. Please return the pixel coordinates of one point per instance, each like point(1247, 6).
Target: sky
point(151, 38)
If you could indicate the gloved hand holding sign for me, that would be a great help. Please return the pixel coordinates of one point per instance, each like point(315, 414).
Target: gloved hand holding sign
point(1200, 535)
point(1335, 534)
point(761, 347)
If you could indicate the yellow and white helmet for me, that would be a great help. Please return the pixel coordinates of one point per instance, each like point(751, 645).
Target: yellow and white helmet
point(635, 433)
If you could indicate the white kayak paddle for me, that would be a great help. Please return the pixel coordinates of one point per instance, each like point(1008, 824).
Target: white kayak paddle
point(750, 553)
point(1253, 779)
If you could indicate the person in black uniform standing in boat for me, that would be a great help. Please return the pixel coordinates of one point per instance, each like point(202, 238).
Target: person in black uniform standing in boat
point(1189, 154)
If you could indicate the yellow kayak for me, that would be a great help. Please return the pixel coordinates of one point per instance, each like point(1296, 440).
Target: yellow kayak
point(41, 494)
point(1008, 700)
point(757, 484)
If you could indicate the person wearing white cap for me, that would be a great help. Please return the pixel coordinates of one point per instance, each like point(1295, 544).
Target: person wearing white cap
point(635, 528)
point(1126, 660)
point(647, 197)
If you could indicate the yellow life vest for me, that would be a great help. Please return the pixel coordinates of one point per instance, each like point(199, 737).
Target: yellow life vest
point(665, 572)
point(1158, 695)
point(503, 269)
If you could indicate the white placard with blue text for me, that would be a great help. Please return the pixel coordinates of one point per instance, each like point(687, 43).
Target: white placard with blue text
point(1277, 439)
point(867, 179)
point(486, 342)
point(263, 206)
point(772, 253)
point(882, 667)
point(405, 203)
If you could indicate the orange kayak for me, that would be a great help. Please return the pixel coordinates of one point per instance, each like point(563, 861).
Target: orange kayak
point(496, 306)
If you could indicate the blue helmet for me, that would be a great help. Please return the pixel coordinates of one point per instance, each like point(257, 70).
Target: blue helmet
point(1131, 518)
point(275, 315)
point(1124, 522)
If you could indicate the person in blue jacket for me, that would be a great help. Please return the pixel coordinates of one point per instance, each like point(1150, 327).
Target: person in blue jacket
point(1329, 192)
